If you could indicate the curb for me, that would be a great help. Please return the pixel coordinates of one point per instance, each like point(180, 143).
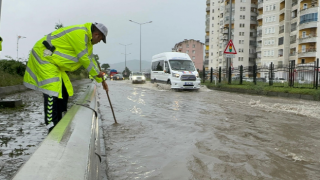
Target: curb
point(12, 89)
point(267, 93)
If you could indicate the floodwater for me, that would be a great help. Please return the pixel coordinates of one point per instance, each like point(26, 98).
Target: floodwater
point(163, 134)
point(23, 129)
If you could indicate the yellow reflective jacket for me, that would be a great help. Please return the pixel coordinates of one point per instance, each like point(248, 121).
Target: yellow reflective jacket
point(0, 44)
point(73, 50)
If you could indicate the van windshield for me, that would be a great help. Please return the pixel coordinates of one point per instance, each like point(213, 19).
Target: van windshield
point(182, 65)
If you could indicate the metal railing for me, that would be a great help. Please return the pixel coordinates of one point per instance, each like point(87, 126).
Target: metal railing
point(72, 149)
point(292, 75)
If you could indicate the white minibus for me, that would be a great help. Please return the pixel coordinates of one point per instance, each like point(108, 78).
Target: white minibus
point(175, 68)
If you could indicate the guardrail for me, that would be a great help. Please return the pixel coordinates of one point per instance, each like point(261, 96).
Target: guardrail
point(72, 149)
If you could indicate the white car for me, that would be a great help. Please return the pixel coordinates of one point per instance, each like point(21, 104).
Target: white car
point(137, 77)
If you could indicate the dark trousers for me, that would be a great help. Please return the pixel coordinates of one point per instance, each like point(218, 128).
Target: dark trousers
point(53, 108)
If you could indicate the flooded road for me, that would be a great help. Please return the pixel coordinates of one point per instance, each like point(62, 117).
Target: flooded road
point(163, 134)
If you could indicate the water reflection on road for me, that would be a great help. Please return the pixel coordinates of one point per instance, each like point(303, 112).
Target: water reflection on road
point(164, 134)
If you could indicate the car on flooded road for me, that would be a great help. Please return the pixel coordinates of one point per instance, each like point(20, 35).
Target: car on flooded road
point(117, 77)
point(137, 77)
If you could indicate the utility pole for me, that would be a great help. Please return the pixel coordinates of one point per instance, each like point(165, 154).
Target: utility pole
point(228, 60)
point(0, 8)
point(125, 56)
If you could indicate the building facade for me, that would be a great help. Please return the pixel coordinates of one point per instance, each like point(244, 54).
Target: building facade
point(263, 32)
point(243, 31)
point(194, 48)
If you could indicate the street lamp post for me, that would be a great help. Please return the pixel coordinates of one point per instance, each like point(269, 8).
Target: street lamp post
point(19, 37)
point(125, 56)
point(140, 36)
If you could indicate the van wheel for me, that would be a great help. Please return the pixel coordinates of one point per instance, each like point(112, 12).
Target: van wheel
point(169, 82)
point(154, 81)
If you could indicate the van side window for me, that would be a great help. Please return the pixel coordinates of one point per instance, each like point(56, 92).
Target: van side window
point(167, 67)
point(157, 65)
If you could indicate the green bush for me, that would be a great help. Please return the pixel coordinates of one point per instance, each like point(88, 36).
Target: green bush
point(7, 79)
point(12, 67)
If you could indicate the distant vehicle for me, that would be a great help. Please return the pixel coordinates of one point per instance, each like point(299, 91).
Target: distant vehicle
point(112, 73)
point(176, 69)
point(247, 79)
point(117, 77)
point(136, 77)
point(280, 80)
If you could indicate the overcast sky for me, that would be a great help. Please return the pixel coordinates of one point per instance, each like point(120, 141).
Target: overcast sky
point(172, 22)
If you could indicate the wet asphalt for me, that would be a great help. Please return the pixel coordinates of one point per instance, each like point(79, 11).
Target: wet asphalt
point(163, 134)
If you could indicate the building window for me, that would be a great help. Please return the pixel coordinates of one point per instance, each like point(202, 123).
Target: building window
point(242, 8)
point(241, 33)
point(193, 45)
point(187, 51)
point(240, 58)
point(193, 52)
point(187, 45)
point(241, 41)
point(240, 49)
point(193, 57)
point(212, 10)
point(242, 16)
point(303, 61)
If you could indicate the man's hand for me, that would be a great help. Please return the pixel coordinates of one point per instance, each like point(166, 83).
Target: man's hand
point(105, 86)
point(101, 74)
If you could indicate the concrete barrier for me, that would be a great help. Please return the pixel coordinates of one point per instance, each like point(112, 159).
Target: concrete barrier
point(72, 149)
point(11, 89)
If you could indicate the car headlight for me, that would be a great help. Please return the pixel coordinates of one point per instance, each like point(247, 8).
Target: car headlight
point(143, 77)
point(197, 75)
point(175, 75)
point(134, 78)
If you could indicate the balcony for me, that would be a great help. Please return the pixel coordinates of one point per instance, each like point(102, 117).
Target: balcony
point(208, 2)
point(292, 41)
point(207, 51)
point(208, 16)
point(306, 25)
point(259, 38)
point(313, 9)
point(227, 21)
point(253, 13)
point(281, 23)
point(294, 5)
point(208, 9)
point(253, 22)
point(308, 39)
point(259, 17)
point(292, 54)
point(206, 62)
point(282, 11)
point(207, 29)
point(281, 31)
point(260, 5)
point(310, 52)
point(254, 5)
point(258, 49)
point(252, 55)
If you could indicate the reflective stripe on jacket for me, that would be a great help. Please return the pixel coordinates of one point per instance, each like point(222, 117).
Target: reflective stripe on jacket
point(73, 50)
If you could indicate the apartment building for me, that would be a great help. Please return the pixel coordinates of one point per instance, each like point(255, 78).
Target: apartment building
point(263, 32)
point(287, 32)
point(244, 31)
point(194, 48)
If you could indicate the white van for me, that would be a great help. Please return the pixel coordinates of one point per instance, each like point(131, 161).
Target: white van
point(175, 68)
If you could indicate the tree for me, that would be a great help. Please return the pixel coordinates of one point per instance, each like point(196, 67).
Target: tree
point(58, 25)
point(96, 57)
point(126, 74)
point(105, 66)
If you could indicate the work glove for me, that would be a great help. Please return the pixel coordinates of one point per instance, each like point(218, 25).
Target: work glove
point(105, 86)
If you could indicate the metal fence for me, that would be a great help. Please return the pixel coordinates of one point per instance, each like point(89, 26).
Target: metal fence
point(292, 75)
